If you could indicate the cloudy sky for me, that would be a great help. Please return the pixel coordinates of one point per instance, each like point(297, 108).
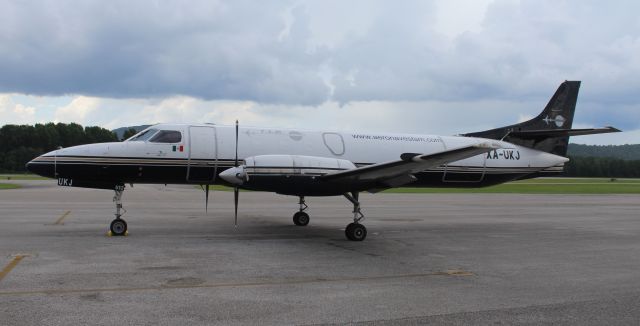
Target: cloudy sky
point(442, 67)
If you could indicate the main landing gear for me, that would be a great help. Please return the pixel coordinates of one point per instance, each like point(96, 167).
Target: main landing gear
point(355, 231)
point(118, 226)
point(300, 218)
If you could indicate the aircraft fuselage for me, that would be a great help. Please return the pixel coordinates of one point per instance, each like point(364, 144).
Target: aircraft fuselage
point(204, 151)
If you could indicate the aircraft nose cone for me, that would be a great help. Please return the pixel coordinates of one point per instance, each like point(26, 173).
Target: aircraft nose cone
point(40, 167)
point(233, 176)
point(29, 166)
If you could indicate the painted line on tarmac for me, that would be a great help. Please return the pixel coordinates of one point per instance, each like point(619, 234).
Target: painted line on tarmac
point(61, 218)
point(451, 272)
point(11, 265)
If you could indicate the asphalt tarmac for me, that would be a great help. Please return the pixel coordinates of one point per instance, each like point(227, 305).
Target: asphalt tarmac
point(450, 259)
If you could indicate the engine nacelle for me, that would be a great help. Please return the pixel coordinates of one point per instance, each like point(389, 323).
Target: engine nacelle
point(286, 174)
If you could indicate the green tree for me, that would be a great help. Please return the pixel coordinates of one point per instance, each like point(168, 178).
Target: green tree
point(21, 143)
point(99, 135)
point(128, 133)
point(607, 167)
point(15, 159)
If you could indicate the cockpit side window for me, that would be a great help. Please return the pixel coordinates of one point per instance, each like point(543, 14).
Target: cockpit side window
point(143, 136)
point(167, 136)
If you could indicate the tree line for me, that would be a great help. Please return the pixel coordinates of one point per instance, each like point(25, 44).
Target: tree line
point(625, 152)
point(21, 143)
point(607, 167)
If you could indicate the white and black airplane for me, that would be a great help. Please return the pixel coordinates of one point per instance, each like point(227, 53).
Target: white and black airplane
point(319, 163)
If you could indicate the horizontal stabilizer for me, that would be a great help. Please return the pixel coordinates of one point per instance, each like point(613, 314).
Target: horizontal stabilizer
point(535, 134)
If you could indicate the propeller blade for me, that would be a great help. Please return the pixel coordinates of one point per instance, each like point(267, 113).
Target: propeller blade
point(236, 190)
point(236, 194)
point(236, 143)
point(206, 199)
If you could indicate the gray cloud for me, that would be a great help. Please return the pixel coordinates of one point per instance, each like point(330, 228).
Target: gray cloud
point(523, 49)
point(212, 50)
point(312, 52)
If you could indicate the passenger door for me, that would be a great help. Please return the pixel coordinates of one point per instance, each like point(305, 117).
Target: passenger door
point(203, 155)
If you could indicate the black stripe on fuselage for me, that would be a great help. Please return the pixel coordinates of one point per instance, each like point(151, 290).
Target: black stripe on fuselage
point(174, 171)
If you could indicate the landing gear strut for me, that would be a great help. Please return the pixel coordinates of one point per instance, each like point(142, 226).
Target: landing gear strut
point(355, 231)
point(118, 226)
point(301, 218)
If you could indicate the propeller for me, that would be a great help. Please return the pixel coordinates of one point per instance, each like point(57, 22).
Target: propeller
point(205, 188)
point(206, 199)
point(236, 193)
point(236, 190)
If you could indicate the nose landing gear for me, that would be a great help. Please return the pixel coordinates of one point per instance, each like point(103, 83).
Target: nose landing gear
point(118, 226)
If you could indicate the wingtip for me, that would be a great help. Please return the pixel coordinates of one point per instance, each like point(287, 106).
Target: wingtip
point(612, 129)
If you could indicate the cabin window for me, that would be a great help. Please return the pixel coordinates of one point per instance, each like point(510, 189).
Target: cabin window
point(167, 136)
point(143, 136)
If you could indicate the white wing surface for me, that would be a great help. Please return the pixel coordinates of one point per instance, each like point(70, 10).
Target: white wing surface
point(397, 173)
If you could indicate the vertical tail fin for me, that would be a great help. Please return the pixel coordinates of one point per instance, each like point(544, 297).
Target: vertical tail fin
point(557, 116)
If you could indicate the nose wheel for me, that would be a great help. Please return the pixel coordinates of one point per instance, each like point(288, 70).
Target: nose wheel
point(118, 227)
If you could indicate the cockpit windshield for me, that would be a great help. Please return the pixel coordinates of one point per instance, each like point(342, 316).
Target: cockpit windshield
point(167, 136)
point(143, 136)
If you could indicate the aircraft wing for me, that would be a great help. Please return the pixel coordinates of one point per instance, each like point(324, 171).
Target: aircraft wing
point(397, 173)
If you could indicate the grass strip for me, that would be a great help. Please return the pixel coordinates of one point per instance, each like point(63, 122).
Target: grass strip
point(542, 186)
point(4, 186)
point(22, 177)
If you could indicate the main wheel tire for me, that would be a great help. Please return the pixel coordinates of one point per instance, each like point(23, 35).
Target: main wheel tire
point(301, 219)
point(118, 227)
point(355, 232)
